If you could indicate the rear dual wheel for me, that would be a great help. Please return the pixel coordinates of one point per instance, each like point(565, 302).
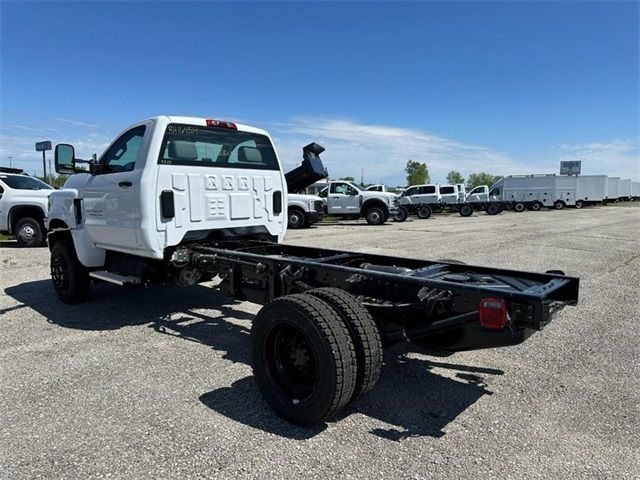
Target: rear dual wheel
point(402, 215)
point(314, 353)
point(493, 209)
point(424, 212)
point(466, 210)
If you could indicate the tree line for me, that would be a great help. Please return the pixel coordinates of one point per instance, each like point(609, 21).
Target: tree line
point(418, 174)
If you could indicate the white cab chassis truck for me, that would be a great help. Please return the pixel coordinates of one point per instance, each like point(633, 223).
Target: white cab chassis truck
point(181, 199)
point(344, 199)
point(624, 192)
point(423, 200)
point(23, 207)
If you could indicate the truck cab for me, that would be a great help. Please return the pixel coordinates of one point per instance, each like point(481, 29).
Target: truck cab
point(168, 181)
point(419, 194)
point(448, 193)
point(23, 207)
point(478, 194)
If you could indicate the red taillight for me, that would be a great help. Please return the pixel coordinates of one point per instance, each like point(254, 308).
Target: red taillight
point(493, 313)
point(221, 124)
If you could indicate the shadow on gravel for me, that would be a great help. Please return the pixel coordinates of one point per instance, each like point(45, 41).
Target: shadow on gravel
point(410, 395)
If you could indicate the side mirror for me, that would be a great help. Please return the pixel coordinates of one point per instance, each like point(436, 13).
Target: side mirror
point(65, 158)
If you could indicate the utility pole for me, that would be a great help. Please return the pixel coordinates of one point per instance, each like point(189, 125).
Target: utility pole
point(10, 165)
point(362, 176)
point(50, 173)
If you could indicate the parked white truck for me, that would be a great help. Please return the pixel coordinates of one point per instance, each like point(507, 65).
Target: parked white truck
point(613, 189)
point(179, 199)
point(345, 199)
point(624, 192)
point(23, 207)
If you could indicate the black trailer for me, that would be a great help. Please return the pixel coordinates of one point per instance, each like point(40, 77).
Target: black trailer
point(316, 345)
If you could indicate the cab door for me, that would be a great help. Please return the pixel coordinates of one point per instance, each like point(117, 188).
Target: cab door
point(343, 199)
point(109, 197)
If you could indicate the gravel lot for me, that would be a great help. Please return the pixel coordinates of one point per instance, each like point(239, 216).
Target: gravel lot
point(156, 383)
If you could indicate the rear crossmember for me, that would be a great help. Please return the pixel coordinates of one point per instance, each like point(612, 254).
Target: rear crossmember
point(438, 303)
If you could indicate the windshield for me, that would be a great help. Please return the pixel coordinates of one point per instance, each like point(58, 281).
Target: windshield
point(216, 147)
point(23, 182)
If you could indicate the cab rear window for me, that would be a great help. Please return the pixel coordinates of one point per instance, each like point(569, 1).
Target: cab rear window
point(216, 147)
point(24, 182)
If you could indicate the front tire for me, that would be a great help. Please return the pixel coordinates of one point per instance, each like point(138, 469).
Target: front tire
point(558, 205)
point(424, 212)
point(374, 216)
point(296, 218)
point(519, 207)
point(579, 204)
point(302, 358)
point(70, 278)
point(493, 209)
point(466, 210)
point(402, 215)
point(536, 206)
point(28, 232)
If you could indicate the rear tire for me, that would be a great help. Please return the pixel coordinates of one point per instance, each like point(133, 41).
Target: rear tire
point(296, 218)
point(536, 206)
point(364, 335)
point(28, 232)
point(519, 207)
point(70, 278)
point(402, 215)
point(424, 212)
point(302, 358)
point(374, 216)
point(579, 204)
point(466, 210)
point(558, 205)
point(493, 209)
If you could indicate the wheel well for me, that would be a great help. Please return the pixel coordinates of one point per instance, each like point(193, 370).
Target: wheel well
point(375, 203)
point(296, 207)
point(23, 211)
point(60, 233)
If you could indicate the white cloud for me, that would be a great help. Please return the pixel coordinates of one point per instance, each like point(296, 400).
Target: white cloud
point(76, 123)
point(616, 158)
point(382, 151)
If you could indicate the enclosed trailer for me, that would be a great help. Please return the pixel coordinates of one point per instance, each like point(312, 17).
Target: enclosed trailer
point(625, 189)
point(613, 187)
point(535, 191)
point(591, 189)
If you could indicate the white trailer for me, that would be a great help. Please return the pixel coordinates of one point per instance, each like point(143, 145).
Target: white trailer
point(635, 190)
point(591, 189)
point(625, 189)
point(535, 191)
point(613, 187)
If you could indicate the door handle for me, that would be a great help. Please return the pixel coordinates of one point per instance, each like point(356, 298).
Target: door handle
point(125, 184)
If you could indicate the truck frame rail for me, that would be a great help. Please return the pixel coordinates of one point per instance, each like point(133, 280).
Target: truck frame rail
point(438, 302)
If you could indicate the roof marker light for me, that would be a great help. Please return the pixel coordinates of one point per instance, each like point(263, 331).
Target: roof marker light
point(221, 124)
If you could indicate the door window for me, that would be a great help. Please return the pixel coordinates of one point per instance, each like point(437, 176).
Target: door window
point(121, 157)
point(427, 189)
point(342, 189)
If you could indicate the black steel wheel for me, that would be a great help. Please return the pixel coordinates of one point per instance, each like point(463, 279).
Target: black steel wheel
point(364, 335)
point(29, 233)
point(519, 207)
point(374, 216)
point(70, 278)
point(424, 212)
point(466, 210)
point(402, 215)
point(558, 205)
point(493, 209)
point(302, 358)
point(296, 218)
point(536, 206)
point(579, 204)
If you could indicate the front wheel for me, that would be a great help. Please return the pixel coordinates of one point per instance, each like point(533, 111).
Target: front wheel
point(519, 207)
point(579, 204)
point(296, 218)
point(29, 233)
point(536, 206)
point(402, 215)
point(302, 358)
point(374, 216)
point(70, 278)
point(493, 209)
point(558, 205)
point(466, 210)
point(424, 212)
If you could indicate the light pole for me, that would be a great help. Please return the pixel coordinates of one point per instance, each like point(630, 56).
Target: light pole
point(10, 165)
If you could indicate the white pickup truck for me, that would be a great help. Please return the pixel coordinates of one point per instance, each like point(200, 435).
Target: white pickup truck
point(345, 199)
point(23, 207)
point(182, 199)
